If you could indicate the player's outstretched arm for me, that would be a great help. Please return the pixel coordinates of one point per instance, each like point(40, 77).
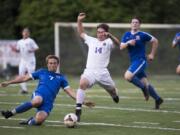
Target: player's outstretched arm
point(175, 42)
point(72, 94)
point(113, 38)
point(131, 42)
point(154, 49)
point(18, 79)
point(80, 27)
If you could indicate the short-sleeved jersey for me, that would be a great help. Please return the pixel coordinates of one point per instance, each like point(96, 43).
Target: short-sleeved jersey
point(24, 46)
point(49, 82)
point(176, 38)
point(138, 51)
point(98, 52)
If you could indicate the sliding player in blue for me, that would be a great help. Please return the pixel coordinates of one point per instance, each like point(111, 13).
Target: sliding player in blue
point(135, 41)
point(43, 97)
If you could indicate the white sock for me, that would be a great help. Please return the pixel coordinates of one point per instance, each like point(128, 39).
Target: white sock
point(23, 86)
point(80, 96)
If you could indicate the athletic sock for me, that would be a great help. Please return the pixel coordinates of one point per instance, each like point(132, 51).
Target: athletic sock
point(152, 92)
point(32, 121)
point(137, 83)
point(23, 108)
point(80, 98)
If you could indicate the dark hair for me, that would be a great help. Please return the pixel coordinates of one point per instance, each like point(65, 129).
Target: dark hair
point(52, 57)
point(103, 26)
point(137, 18)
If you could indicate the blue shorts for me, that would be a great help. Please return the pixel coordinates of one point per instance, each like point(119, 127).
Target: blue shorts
point(138, 68)
point(47, 103)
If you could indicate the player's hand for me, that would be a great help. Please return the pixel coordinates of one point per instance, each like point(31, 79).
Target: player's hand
point(107, 34)
point(150, 57)
point(81, 16)
point(89, 104)
point(131, 42)
point(4, 84)
point(13, 48)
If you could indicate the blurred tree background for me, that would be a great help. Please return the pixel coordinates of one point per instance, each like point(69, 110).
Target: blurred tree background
point(40, 15)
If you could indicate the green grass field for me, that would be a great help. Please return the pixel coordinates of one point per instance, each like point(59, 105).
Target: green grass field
point(132, 116)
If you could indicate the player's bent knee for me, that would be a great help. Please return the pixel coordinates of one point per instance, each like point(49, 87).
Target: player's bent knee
point(37, 101)
point(127, 77)
point(178, 72)
point(83, 84)
point(41, 117)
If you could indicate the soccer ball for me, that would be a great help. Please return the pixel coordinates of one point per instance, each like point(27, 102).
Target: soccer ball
point(70, 120)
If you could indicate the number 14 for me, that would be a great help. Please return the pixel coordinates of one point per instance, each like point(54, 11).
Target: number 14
point(98, 50)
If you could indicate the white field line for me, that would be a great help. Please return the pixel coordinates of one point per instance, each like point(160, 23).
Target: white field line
point(107, 124)
point(177, 121)
point(148, 123)
point(12, 127)
point(109, 108)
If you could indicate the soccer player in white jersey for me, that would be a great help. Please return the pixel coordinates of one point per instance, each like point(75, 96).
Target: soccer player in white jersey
point(99, 50)
point(26, 47)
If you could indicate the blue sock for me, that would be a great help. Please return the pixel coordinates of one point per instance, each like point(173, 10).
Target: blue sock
point(24, 107)
point(137, 82)
point(152, 92)
point(33, 122)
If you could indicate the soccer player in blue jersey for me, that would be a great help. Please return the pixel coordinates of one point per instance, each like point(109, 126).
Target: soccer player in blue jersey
point(176, 42)
point(135, 41)
point(43, 97)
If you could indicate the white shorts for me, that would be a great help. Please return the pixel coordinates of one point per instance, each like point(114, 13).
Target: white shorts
point(26, 67)
point(99, 76)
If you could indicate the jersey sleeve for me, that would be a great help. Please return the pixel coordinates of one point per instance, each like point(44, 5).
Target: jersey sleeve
point(65, 84)
point(35, 75)
point(148, 37)
point(175, 38)
point(88, 39)
point(34, 45)
point(111, 43)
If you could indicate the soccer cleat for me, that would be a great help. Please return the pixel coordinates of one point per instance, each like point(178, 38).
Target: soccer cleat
point(78, 114)
point(158, 103)
point(26, 122)
point(116, 99)
point(24, 92)
point(146, 93)
point(6, 114)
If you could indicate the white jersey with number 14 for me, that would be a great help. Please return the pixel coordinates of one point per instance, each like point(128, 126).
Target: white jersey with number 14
point(98, 52)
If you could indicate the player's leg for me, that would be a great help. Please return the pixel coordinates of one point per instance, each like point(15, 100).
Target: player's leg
point(178, 70)
point(22, 71)
point(153, 93)
point(35, 102)
point(86, 81)
point(39, 118)
point(44, 108)
point(108, 84)
point(130, 75)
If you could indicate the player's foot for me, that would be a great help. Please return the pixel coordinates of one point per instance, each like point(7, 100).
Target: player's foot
point(116, 99)
point(24, 92)
point(78, 114)
point(26, 122)
point(158, 103)
point(6, 114)
point(146, 93)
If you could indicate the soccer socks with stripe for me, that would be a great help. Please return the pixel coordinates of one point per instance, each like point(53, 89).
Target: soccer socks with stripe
point(80, 98)
point(79, 101)
point(137, 82)
point(152, 92)
point(23, 108)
